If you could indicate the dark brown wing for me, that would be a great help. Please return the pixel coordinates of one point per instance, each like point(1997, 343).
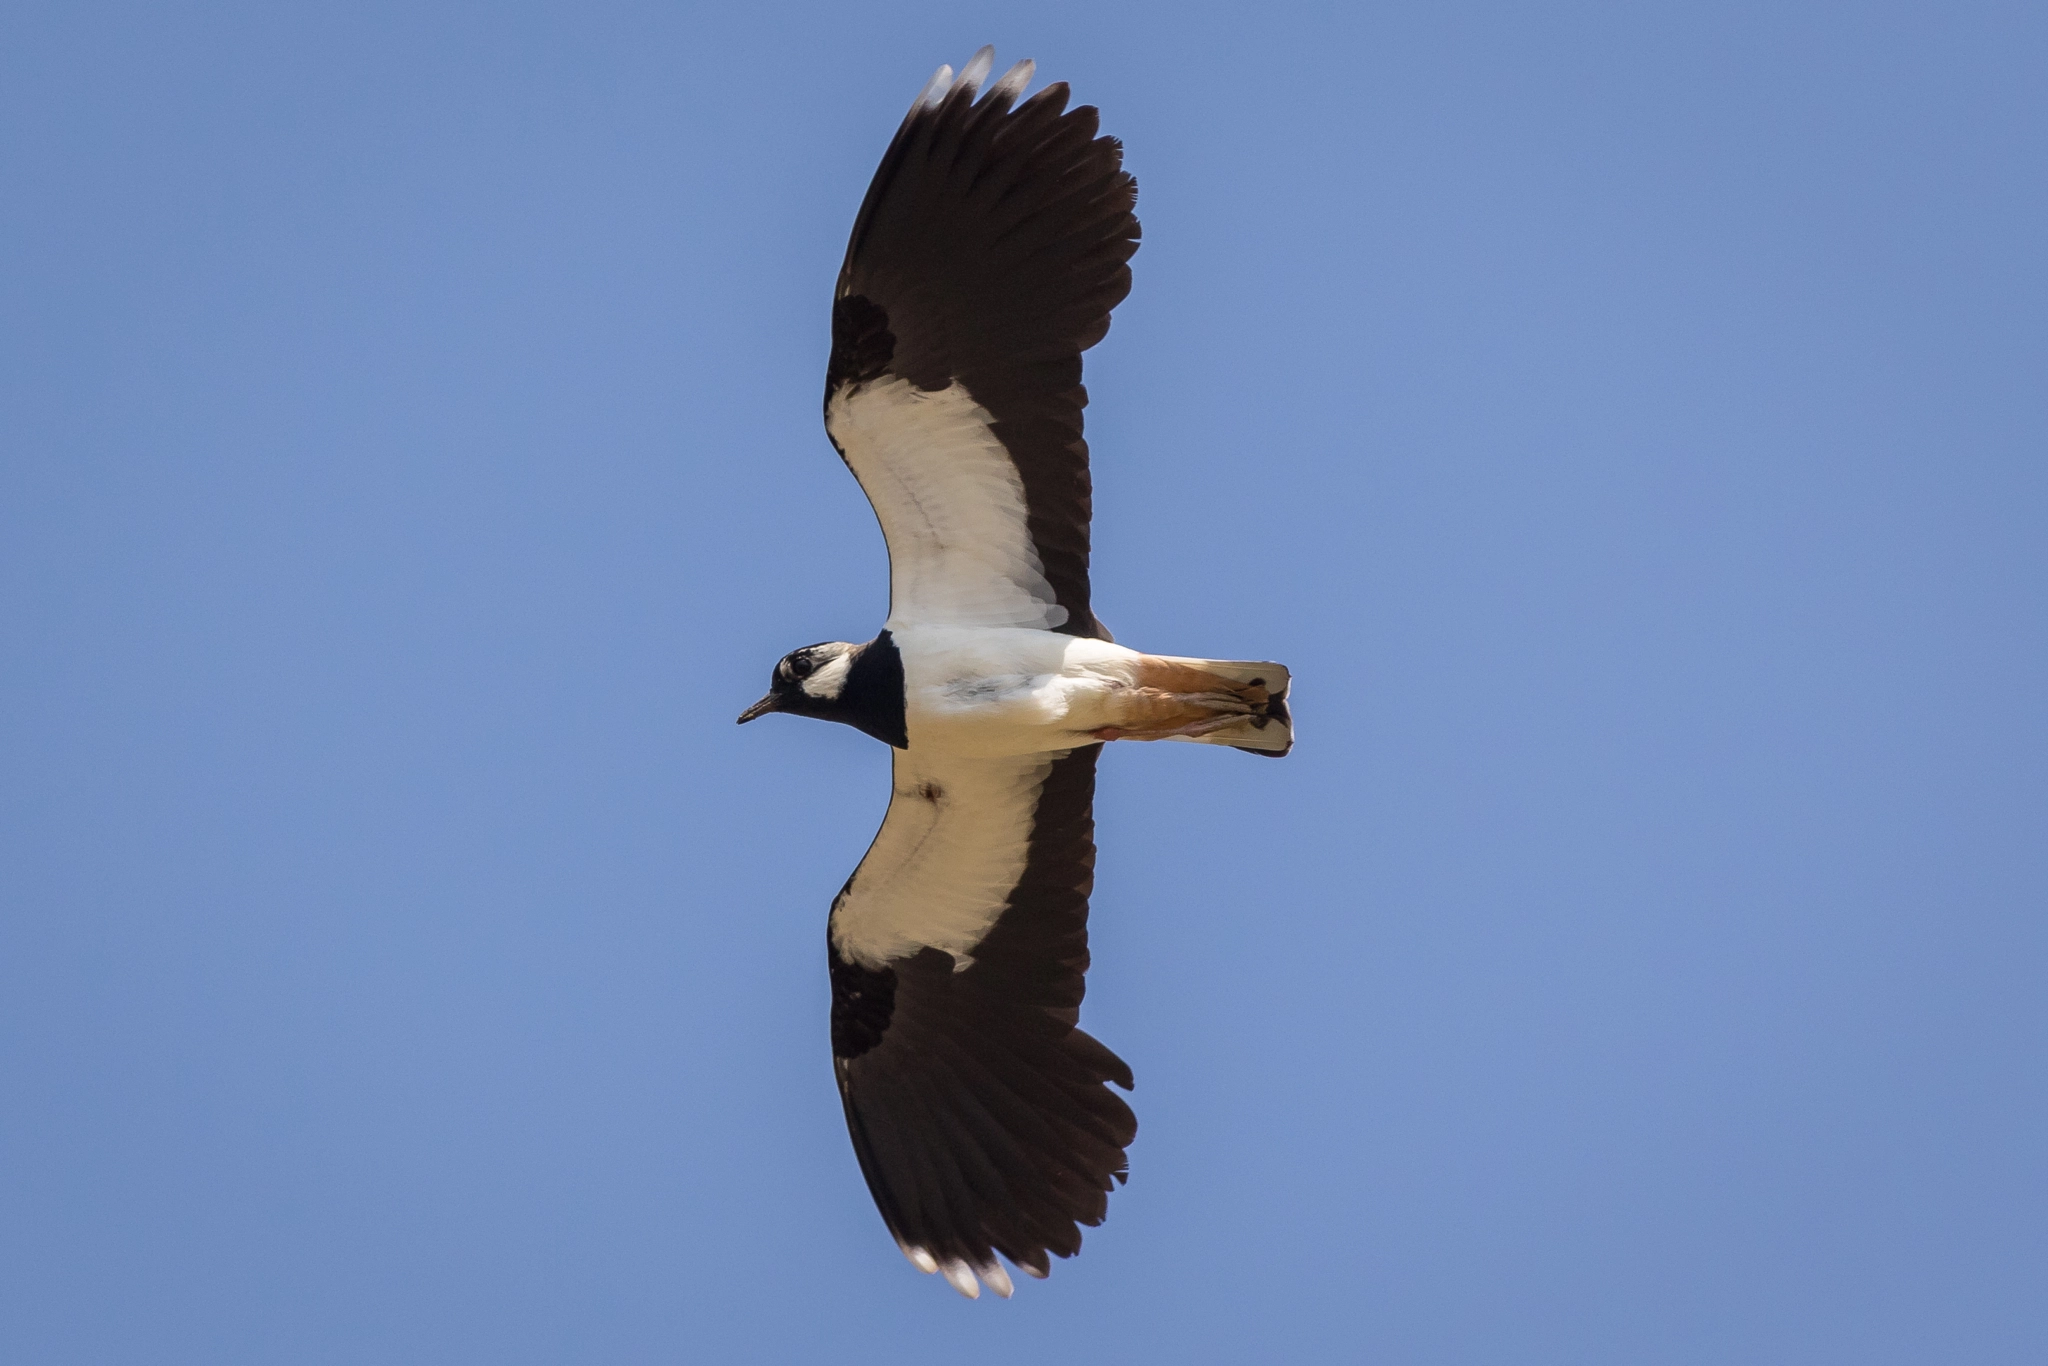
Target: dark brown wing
point(989, 252)
point(977, 1108)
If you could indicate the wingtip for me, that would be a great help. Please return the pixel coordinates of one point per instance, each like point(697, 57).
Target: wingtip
point(960, 1276)
point(1013, 81)
point(977, 69)
point(944, 82)
point(934, 89)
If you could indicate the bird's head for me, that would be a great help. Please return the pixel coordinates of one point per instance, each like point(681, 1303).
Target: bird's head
point(807, 682)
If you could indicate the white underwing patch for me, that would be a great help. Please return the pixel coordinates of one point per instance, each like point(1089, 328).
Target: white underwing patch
point(951, 504)
point(946, 859)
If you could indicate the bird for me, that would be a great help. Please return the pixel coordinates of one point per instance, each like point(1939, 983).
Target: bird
point(992, 244)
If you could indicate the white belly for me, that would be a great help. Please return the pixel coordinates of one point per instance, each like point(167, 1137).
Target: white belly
point(976, 690)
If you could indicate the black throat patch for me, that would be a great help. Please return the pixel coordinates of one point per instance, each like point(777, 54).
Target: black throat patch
point(872, 698)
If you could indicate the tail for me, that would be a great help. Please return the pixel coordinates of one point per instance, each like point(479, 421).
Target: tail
point(1269, 731)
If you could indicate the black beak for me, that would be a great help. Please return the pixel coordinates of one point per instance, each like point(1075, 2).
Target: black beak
point(767, 704)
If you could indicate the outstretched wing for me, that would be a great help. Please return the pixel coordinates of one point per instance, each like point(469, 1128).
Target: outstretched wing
point(986, 258)
point(978, 1110)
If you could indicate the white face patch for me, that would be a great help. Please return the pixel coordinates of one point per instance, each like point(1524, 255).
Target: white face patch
point(828, 680)
point(951, 504)
point(948, 855)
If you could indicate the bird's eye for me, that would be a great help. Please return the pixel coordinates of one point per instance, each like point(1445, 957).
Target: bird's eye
point(801, 667)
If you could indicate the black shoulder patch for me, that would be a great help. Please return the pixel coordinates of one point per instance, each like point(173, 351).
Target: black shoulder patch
point(863, 1000)
point(862, 344)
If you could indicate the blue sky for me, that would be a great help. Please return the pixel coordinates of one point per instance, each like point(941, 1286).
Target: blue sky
point(1628, 422)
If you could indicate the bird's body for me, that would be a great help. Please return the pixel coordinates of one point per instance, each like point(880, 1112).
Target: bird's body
point(989, 691)
point(991, 248)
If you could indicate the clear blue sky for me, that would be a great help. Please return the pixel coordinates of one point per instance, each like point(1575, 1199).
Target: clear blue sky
point(1630, 422)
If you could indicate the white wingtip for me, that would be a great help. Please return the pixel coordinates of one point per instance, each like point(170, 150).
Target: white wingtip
point(960, 1276)
point(1033, 1272)
point(977, 69)
point(920, 1258)
point(1014, 80)
point(996, 1279)
point(934, 89)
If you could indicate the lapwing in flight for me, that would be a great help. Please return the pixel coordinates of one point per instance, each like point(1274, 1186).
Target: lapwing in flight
point(986, 258)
